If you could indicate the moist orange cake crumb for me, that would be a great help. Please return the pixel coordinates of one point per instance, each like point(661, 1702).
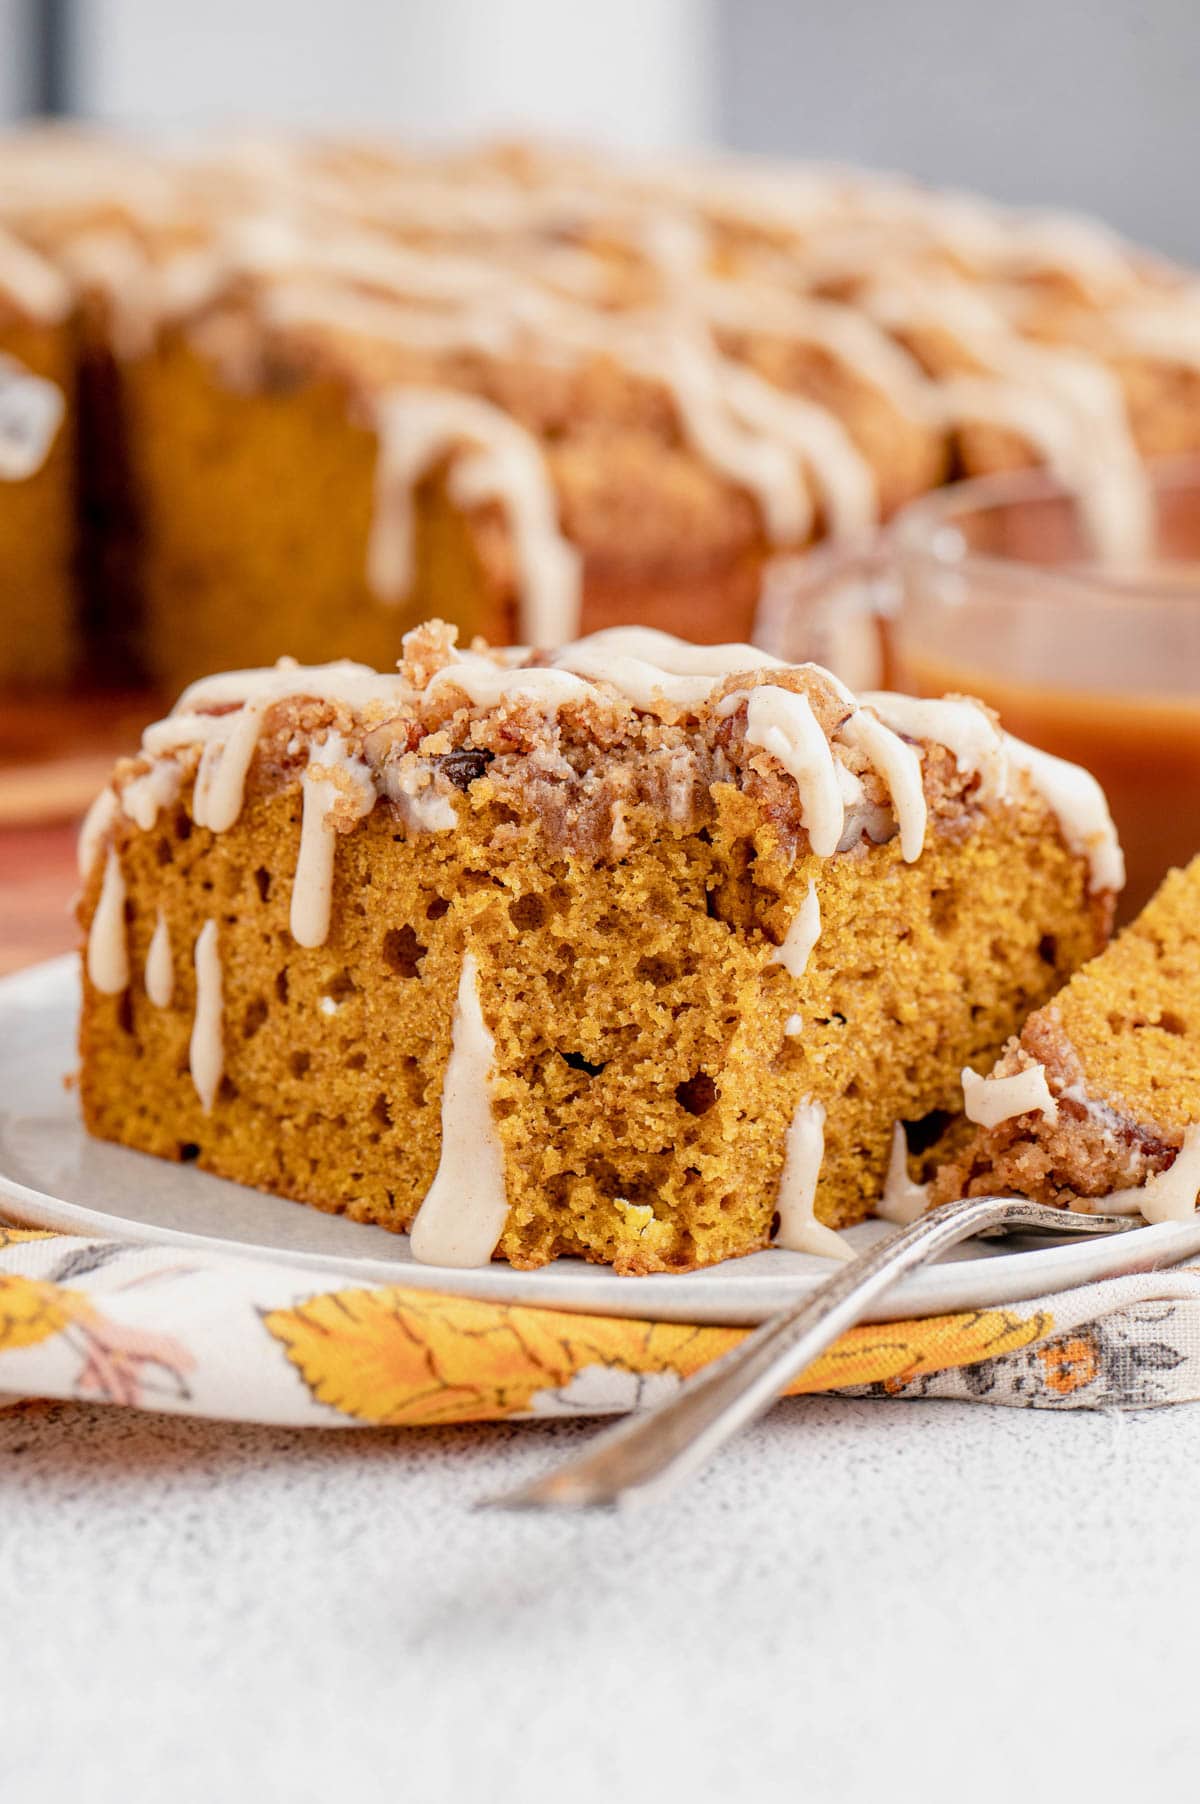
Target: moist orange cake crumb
point(635, 950)
point(1096, 1103)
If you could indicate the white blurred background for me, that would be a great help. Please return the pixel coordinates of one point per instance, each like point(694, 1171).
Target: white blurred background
point(1084, 103)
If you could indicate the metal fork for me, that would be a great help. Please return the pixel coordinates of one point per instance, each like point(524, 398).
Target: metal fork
point(646, 1454)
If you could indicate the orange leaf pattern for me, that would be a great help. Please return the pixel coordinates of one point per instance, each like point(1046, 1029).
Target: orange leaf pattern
point(114, 1357)
point(258, 1341)
point(395, 1357)
point(11, 1237)
point(1070, 1362)
point(30, 1312)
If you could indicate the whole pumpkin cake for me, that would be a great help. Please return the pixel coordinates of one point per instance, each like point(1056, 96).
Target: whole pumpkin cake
point(316, 390)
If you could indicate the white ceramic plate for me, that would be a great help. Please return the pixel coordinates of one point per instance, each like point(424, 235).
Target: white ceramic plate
point(52, 1175)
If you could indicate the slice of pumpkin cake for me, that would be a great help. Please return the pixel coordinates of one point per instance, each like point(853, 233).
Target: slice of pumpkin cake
point(1096, 1104)
point(634, 950)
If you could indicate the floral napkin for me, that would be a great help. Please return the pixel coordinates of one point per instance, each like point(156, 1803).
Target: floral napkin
point(157, 1327)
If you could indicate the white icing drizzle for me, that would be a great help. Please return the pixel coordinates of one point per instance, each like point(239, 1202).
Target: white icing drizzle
point(843, 477)
point(679, 657)
point(900, 768)
point(766, 467)
point(496, 461)
point(783, 723)
point(851, 786)
point(1100, 469)
point(220, 786)
point(801, 937)
point(853, 338)
point(52, 171)
point(1170, 1195)
point(1082, 248)
point(666, 207)
point(206, 1050)
point(641, 683)
point(179, 731)
point(756, 435)
point(1165, 330)
point(342, 681)
point(332, 780)
point(142, 798)
point(799, 1229)
point(895, 762)
point(463, 1215)
point(703, 395)
point(1065, 404)
point(962, 727)
point(107, 951)
point(94, 829)
point(715, 402)
point(271, 246)
point(726, 413)
point(871, 215)
point(988, 1101)
point(1078, 803)
point(424, 808)
point(115, 265)
point(394, 321)
point(486, 685)
point(30, 282)
point(31, 412)
point(902, 1200)
point(160, 966)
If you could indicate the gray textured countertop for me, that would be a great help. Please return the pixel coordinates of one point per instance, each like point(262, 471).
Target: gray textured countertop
point(860, 1601)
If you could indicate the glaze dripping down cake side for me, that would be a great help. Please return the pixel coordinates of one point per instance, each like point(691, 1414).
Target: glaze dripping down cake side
point(636, 950)
point(1095, 1105)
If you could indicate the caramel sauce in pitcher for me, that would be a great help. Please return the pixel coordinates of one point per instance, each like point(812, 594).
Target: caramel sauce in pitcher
point(1144, 750)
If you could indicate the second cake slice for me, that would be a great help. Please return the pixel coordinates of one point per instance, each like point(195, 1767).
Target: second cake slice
point(1096, 1104)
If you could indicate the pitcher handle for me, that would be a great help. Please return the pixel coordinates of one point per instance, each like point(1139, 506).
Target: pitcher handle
point(831, 606)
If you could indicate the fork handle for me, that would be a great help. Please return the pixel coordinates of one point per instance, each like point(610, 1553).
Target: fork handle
point(648, 1452)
